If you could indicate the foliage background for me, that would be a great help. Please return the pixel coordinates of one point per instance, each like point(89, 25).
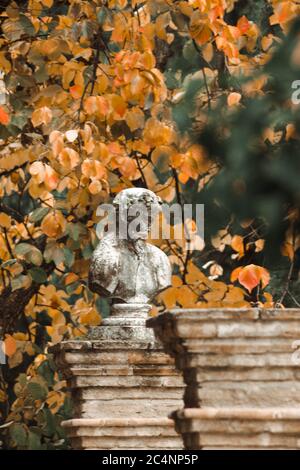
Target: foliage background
point(191, 99)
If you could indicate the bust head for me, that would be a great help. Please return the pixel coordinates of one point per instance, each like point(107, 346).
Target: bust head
point(136, 210)
point(127, 269)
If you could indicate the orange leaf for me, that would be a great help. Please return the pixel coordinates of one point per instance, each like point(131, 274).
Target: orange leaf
point(70, 278)
point(5, 220)
point(237, 243)
point(250, 276)
point(9, 346)
point(96, 105)
point(4, 117)
point(68, 158)
point(235, 274)
point(76, 91)
point(53, 224)
point(95, 187)
point(51, 178)
point(233, 99)
point(243, 24)
point(135, 119)
point(127, 167)
point(119, 106)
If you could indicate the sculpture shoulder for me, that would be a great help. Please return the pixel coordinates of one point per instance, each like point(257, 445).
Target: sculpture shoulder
point(157, 253)
point(161, 261)
point(104, 268)
point(107, 247)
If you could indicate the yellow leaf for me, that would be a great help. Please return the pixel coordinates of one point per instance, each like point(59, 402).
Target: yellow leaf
point(54, 224)
point(135, 119)
point(5, 220)
point(41, 116)
point(57, 142)
point(55, 400)
point(208, 52)
point(186, 297)
point(157, 133)
point(176, 281)
point(4, 63)
point(97, 105)
point(68, 158)
point(51, 178)
point(91, 317)
point(161, 157)
point(168, 297)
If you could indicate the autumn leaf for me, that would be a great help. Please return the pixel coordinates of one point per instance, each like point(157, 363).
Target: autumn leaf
point(251, 276)
point(4, 117)
point(237, 243)
point(98, 105)
point(5, 220)
point(233, 99)
point(54, 224)
point(76, 91)
point(41, 116)
point(9, 345)
point(68, 158)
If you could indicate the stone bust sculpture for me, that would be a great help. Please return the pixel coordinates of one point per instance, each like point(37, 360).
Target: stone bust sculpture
point(126, 268)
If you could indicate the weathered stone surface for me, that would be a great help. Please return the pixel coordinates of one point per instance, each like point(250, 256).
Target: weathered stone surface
point(229, 428)
point(123, 433)
point(124, 267)
point(120, 370)
point(239, 368)
point(118, 386)
point(234, 357)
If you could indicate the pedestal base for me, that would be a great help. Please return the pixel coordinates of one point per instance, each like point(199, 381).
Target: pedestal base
point(123, 386)
point(239, 429)
point(123, 434)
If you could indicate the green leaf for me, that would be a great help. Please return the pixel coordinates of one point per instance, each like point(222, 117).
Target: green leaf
point(19, 282)
point(9, 262)
point(49, 423)
point(38, 275)
point(102, 15)
point(87, 251)
point(37, 391)
point(38, 214)
point(30, 253)
point(75, 231)
point(23, 248)
point(189, 52)
point(19, 434)
point(69, 257)
point(27, 26)
point(53, 253)
point(34, 441)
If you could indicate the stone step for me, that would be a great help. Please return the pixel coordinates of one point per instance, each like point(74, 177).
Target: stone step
point(123, 433)
point(233, 428)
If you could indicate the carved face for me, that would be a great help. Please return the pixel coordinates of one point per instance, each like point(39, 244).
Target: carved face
point(137, 208)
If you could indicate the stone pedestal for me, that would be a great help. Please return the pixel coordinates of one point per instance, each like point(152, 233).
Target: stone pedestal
point(241, 373)
point(123, 386)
